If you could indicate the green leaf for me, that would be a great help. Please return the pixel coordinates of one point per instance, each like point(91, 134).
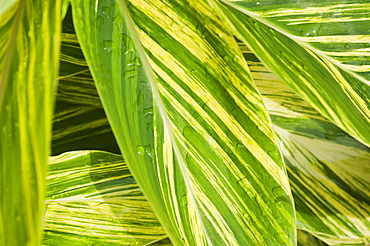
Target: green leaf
point(188, 120)
point(327, 168)
point(79, 119)
point(29, 49)
point(93, 200)
point(65, 5)
point(306, 239)
point(336, 92)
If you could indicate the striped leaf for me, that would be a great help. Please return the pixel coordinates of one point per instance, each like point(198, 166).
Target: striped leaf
point(306, 239)
point(93, 200)
point(79, 119)
point(328, 170)
point(322, 58)
point(29, 48)
point(189, 121)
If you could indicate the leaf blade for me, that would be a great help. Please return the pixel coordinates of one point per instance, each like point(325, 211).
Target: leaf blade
point(93, 199)
point(29, 51)
point(327, 168)
point(181, 112)
point(338, 94)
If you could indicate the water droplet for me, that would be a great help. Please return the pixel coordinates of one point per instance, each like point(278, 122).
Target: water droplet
point(240, 145)
point(236, 58)
point(99, 22)
point(281, 236)
point(272, 31)
point(184, 200)
point(194, 71)
point(148, 151)
point(364, 87)
point(247, 216)
point(131, 74)
point(282, 199)
point(148, 112)
point(106, 11)
point(140, 150)
point(130, 51)
point(108, 46)
point(228, 59)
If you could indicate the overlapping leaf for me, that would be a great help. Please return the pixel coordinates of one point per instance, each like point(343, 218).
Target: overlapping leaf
point(94, 200)
point(29, 48)
point(203, 153)
point(79, 120)
point(337, 93)
point(327, 169)
point(306, 239)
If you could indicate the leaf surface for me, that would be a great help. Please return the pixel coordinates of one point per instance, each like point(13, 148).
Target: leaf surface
point(79, 119)
point(29, 50)
point(189, 121)
point(327, 168)
point(93, 200)
point(329, 85)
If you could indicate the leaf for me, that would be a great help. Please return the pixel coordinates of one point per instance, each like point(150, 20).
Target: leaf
point(65, 5)
point(337, 93)
point(93, 200)
point(29, 50)
point(79, 119)
point(203, 153)
point(327, 168)
point(306, 239)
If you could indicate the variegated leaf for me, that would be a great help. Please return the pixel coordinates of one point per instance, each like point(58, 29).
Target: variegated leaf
point(29, 48)
point(332, 86)
point(94, 200)
point(327, 168)
point(189, 121)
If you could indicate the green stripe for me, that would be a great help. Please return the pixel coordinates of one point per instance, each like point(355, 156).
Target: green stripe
point(189, 121)
point(327, 168)
point(93, 199)
point(29, 50)
point(335, 92)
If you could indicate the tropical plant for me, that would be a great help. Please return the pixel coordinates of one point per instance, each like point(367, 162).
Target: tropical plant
point(213, 105)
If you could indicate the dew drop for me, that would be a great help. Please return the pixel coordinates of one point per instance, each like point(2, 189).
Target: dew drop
point(99, 22)
point(281, 237)
point(247, 216)
point(282, 201)
point(148, 151)
point(130, 51)
point(106, 11)
point(272, 31)
point(236, 58)
point(140, 150)
point(108, 46)
point(240, 145)
point(227, 59)
point(184, 200)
